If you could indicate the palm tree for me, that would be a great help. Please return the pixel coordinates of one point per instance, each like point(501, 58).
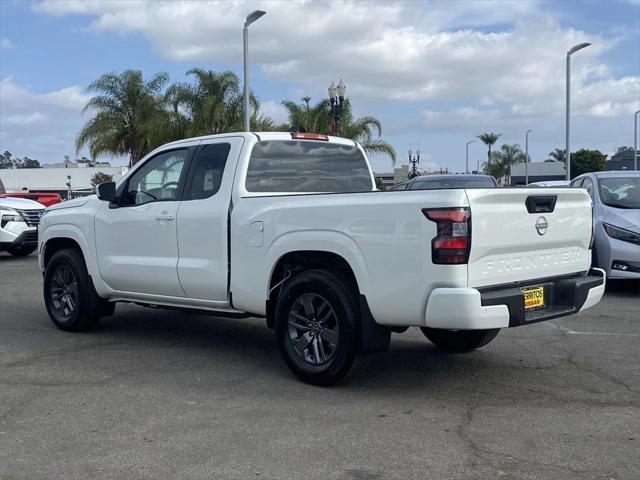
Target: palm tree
point(507, 157)
point(365, 130)
point(558, 155)
point(214, 104)
point(495, 169)
point(489, 139)
point(127, 112)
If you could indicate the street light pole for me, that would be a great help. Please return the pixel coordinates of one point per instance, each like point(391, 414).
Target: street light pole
point(467, 162)
point(252, 17)
point(635, 140)
point(567, 154)
point(526, 157)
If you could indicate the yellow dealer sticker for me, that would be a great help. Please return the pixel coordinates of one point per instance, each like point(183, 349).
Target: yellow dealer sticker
point(533, 297)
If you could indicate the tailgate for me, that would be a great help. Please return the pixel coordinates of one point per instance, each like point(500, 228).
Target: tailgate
point(523, 234)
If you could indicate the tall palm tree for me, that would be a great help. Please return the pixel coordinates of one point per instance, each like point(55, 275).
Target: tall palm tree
point(558, 155)
point(127, 111)
point(489, 139)
point(317, 118)
point(507, 157)
point(214, 104)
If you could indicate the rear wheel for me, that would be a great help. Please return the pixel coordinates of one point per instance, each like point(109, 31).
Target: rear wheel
point(69, 295)
point(459, 341)
point(316, 327)
point(22, 250)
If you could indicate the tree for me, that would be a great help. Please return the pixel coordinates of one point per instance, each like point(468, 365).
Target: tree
point(489, 139)
point(558, 155)
point(26, 162)
point(6, 161)
point(100, 177)
point(317, 118)
point(507, 157)
point(495, 169)
point(213, 105)
point(584, 161)
point(128, 109)
point(623, 151)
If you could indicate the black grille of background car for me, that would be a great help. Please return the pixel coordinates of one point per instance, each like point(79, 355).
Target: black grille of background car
point(30, 238)
point(32, 217)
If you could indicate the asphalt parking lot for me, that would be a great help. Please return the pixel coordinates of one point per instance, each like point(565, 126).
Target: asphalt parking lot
point(157, 394)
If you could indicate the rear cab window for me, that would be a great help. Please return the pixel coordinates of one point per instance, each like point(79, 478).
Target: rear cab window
point(305, 166)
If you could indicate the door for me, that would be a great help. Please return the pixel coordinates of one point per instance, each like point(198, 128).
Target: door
point(136, 242)
point(203, 266)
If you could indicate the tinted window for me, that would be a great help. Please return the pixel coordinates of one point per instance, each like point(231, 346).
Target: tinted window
point(426, 183)
point(157, 179)
point(620, 192)
point(207, 170)
point(307, 167)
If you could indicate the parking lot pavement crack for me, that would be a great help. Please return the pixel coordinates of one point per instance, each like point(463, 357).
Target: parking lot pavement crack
point(599, 373)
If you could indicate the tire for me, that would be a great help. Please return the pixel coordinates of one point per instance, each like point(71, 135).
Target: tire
point(69, 296)
point(316, 327)
point(22, 250)
point(459, 341)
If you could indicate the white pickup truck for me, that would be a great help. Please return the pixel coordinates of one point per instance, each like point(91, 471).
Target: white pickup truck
point(290, 227)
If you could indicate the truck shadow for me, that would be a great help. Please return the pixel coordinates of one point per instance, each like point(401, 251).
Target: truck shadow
point(245, 349)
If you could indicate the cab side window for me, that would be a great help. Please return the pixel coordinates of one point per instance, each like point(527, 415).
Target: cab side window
point(157, 180)
point(576, 183)
point(206, 171)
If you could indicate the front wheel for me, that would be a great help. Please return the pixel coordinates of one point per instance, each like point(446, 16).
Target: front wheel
point(316, 327)
point(459, 341)
point(69, 295)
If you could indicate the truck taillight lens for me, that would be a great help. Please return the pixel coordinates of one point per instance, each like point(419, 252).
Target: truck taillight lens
point(452, 243)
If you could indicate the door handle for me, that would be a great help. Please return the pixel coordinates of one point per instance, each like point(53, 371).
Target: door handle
point(164, 217)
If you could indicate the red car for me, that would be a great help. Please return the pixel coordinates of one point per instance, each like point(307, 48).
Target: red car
point(46, 199)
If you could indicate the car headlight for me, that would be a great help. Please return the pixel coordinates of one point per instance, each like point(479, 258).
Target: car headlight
point(622, 234)
point(9, 215)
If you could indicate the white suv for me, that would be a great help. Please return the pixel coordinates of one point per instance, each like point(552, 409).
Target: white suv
point(19, 219)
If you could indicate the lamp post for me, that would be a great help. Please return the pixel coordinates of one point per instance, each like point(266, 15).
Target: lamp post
point(635, 140)
point(526, 157)
point(336, 100)
point(467, 162)
point(567, 154)
point(252, 17)
point(413, 161)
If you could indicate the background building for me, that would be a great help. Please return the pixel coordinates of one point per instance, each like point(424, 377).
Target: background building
point(538, 172)
point(55, 179)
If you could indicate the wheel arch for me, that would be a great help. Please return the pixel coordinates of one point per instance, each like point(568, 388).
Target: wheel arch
point(373, 337)
point(59, 236)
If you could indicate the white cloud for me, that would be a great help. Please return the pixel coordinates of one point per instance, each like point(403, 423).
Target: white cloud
point(275, 110)
point(393, 51)
point(25, 119)
point(6, 43)
point(40, 125)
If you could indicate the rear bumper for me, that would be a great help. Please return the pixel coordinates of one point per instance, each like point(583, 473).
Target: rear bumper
point(501, 307)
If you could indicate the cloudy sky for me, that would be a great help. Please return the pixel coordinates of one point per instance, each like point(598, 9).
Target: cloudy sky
point(436, 73)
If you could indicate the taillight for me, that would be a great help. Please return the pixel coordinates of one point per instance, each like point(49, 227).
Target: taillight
point(452, 243)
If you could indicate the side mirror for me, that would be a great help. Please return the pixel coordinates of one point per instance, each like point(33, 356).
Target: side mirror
point(107, 192)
